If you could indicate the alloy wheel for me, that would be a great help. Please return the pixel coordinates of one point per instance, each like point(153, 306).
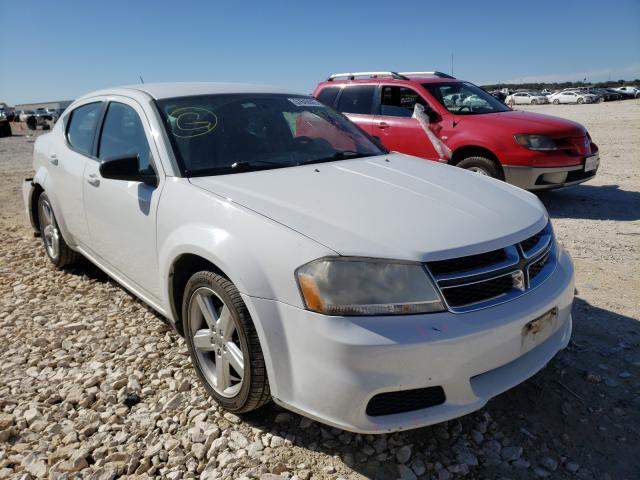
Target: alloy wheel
point(217, 344)
point(50, 231)
point(479, 170)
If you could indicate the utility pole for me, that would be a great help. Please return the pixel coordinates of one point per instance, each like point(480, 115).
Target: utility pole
point(452, 64)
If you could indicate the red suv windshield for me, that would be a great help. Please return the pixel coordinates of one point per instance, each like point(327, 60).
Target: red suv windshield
point(464, 98)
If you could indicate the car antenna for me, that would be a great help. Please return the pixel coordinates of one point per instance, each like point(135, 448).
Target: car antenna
point(141, 79)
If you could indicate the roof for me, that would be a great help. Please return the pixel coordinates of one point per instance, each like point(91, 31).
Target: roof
point(184, 89)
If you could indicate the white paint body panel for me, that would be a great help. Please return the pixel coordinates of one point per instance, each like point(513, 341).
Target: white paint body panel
point(258, 227)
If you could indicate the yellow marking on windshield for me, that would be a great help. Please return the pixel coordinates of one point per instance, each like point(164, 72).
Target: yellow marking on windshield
point(189, 122)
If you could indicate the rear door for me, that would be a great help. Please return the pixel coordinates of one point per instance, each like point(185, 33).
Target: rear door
point(394, 125)
point(121, 215)
point(68, 156)
point(356, 102)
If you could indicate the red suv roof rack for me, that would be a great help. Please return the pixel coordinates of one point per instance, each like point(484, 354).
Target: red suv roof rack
point(353, 75)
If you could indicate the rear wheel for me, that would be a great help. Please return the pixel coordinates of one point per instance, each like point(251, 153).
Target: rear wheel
point(556, 101)
point(55, 247)
point(223, 343)
point(482, 166)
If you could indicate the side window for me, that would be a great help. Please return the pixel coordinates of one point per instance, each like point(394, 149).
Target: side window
point(357, 99)
point(328, 95)
point(123, 134)
point(82, 127)
point(399, 101)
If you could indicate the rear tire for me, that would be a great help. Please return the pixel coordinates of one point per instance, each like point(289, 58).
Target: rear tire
point(223, 343)
point(59, 253)
point(556, 101)
point(482, 166)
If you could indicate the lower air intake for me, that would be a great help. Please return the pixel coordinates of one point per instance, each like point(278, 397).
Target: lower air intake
point(405, 401)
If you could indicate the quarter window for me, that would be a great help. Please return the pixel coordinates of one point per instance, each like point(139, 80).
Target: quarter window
point(123, 134)
point(399, 101)
point(82, 127)
point(357, 99)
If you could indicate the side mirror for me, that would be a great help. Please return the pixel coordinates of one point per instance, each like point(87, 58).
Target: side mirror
point(127, 168)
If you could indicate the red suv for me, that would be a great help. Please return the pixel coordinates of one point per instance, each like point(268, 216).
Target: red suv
point(530, 150)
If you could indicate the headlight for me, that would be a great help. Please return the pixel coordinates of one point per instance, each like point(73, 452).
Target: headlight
point(536, 142)
point(353, 286)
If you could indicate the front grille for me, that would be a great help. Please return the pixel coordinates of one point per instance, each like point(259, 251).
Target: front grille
point(536, 267)
point(487, 279)
point(471, 262)
point(531, 242)
point(477, 292)
point(405, 401)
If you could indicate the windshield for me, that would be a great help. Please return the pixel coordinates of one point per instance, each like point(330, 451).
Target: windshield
point(464, 98)
point(223, 134)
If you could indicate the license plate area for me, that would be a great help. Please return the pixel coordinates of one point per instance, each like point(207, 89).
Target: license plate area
point(591, 163)
point(539, 329)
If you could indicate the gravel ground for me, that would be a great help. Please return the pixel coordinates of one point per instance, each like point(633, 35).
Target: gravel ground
point(94, 385)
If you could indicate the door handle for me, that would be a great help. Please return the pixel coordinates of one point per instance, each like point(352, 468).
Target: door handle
point(53, 159)
point(383, 125)
point(93, 180)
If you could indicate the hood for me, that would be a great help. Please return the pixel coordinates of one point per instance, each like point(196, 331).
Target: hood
point(390, 206)
point(517, 121)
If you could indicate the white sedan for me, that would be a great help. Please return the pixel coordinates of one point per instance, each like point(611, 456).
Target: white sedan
point(302, 262)
point(572, 97)
point(526, 98)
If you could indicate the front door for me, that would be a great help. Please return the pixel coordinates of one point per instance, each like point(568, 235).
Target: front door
point(121, 215)
point(395, 127)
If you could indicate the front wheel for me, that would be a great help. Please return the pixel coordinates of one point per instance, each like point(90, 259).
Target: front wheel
point(482, 166)
point(223, 343)
point(534, 102)
point(580, 100)
point(556, 101)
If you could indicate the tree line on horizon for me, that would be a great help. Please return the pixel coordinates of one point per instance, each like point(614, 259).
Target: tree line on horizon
point(561, 85)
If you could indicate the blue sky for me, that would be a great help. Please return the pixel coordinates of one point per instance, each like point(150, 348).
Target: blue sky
point(52, 50)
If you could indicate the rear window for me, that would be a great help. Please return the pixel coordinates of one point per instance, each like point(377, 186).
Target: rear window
point(82, 127)
point(357, 99)
point(328, 95)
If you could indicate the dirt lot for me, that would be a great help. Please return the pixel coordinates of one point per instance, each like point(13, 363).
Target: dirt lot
point(94, 385)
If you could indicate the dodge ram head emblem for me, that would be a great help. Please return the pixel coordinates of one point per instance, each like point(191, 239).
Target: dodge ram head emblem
point(518, 280)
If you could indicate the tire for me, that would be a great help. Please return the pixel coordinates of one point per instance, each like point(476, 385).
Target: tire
point(59, 253)
point(580, 101)
point(556, 101)
point(482, 166)
point(215, 350)
point(534, 102)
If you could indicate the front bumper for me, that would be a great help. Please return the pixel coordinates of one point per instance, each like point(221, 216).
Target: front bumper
point(329, 368)
point(546, 178)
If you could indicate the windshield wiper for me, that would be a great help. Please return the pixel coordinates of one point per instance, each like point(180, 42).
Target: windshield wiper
point(256, 165)
point(341, 155)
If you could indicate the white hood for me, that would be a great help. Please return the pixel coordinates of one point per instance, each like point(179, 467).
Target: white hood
point(391, 206)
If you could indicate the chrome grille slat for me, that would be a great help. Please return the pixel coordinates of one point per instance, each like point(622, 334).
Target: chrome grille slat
point(487, 282)
point(511, 259)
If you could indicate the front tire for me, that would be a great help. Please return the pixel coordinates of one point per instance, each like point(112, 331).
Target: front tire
point(482, 166)
point(556, 101)
point(223, 343)
point(59, 253)
point(580, 100)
